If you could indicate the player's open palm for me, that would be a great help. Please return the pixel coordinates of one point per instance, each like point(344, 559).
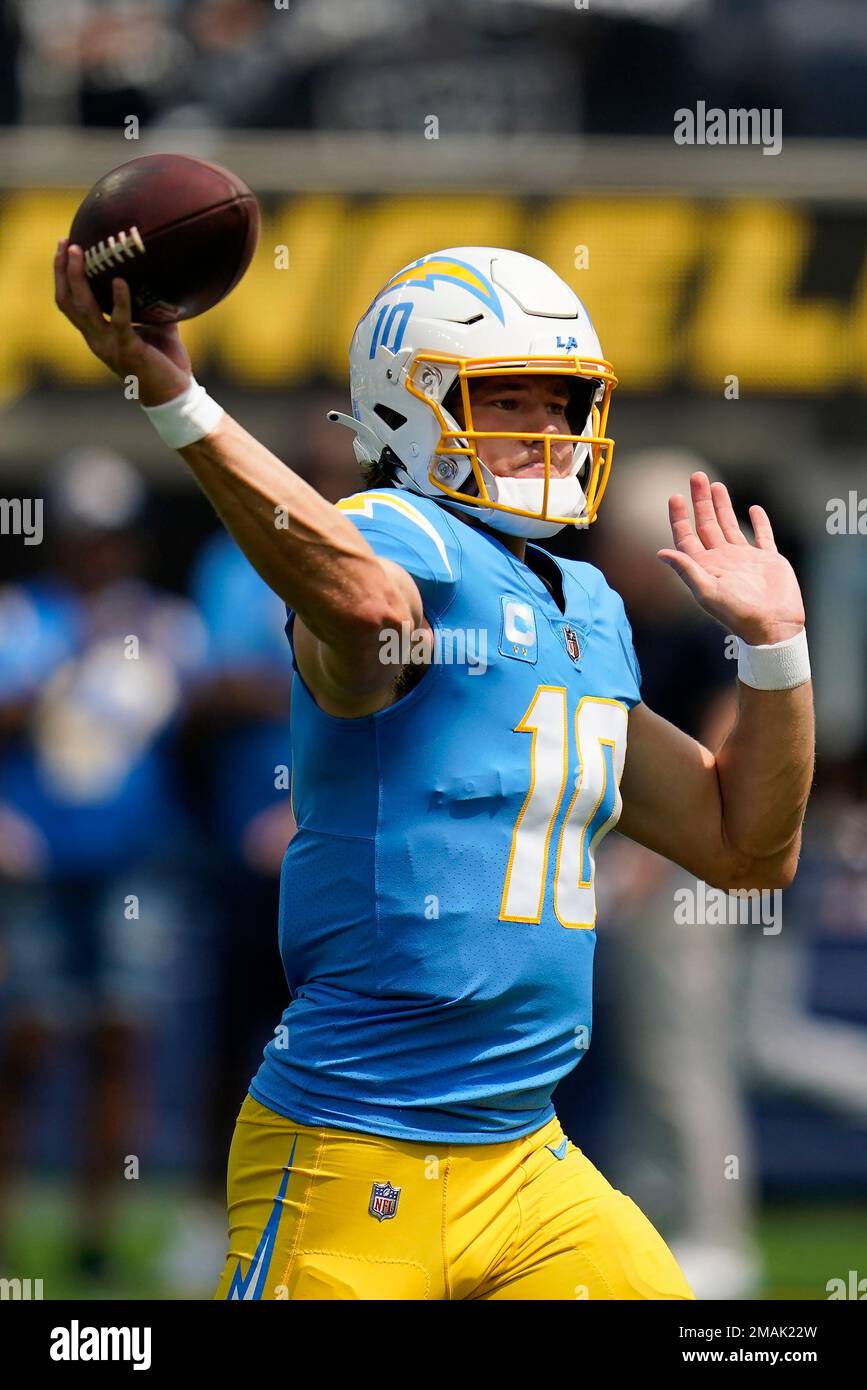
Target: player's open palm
point(155, 356)
point(751, 589)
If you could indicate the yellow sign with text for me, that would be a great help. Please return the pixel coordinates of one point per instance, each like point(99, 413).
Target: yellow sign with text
point(681, 293)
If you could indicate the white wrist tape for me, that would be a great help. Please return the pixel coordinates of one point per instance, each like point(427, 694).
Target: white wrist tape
point(775, 665)
point(187, 418)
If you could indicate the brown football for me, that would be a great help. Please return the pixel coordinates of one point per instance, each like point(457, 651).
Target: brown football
point(179, 230)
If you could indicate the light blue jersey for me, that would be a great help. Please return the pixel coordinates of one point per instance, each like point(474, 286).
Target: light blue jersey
point(437, 920)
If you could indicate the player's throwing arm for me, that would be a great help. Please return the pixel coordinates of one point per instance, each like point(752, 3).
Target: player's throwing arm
point(309, 554)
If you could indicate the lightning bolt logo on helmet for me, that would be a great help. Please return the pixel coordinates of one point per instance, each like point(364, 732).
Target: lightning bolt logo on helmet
point(425, 273)
point(445, 320)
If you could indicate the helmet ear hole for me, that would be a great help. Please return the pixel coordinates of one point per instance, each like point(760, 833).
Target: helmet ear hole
point(392, 418)
point(452, 402)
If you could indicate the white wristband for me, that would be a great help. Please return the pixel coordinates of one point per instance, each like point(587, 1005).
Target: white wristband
point(775, 665)
point(187, 418)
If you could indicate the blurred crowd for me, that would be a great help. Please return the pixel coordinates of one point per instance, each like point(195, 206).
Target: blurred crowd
point(609, 66)
point(145, 804)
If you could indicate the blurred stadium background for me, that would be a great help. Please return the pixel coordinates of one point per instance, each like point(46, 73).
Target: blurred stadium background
point(144, 803)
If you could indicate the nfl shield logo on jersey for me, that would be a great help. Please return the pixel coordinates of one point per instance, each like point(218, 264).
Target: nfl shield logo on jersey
point(383, 1200)
point(570, 637)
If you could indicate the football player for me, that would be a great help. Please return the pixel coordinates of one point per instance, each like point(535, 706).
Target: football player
point(461, 710)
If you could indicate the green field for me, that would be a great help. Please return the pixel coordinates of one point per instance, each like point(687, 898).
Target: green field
point(164, 1243)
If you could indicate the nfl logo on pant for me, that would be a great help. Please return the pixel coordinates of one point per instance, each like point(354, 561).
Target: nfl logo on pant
point(383, 1200)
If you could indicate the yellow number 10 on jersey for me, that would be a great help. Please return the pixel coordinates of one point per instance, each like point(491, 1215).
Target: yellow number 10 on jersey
point(600, 740)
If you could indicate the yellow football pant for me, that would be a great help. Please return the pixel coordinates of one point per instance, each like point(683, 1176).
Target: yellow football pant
point(336, 1214)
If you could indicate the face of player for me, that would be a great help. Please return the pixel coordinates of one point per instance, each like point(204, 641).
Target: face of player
point(536, 404)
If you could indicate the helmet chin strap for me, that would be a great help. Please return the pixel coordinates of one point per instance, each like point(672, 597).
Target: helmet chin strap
point(565, 498)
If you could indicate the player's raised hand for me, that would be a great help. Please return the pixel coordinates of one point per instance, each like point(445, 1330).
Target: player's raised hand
point(156, 357)
point(750, 589)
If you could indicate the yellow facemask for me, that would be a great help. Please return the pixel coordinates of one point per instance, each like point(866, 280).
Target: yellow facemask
point(456, 442)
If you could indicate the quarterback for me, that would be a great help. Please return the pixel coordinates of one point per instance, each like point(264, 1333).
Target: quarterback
point(438, 909)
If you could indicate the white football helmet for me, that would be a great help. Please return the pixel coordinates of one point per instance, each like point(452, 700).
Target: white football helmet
point(466, 312)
